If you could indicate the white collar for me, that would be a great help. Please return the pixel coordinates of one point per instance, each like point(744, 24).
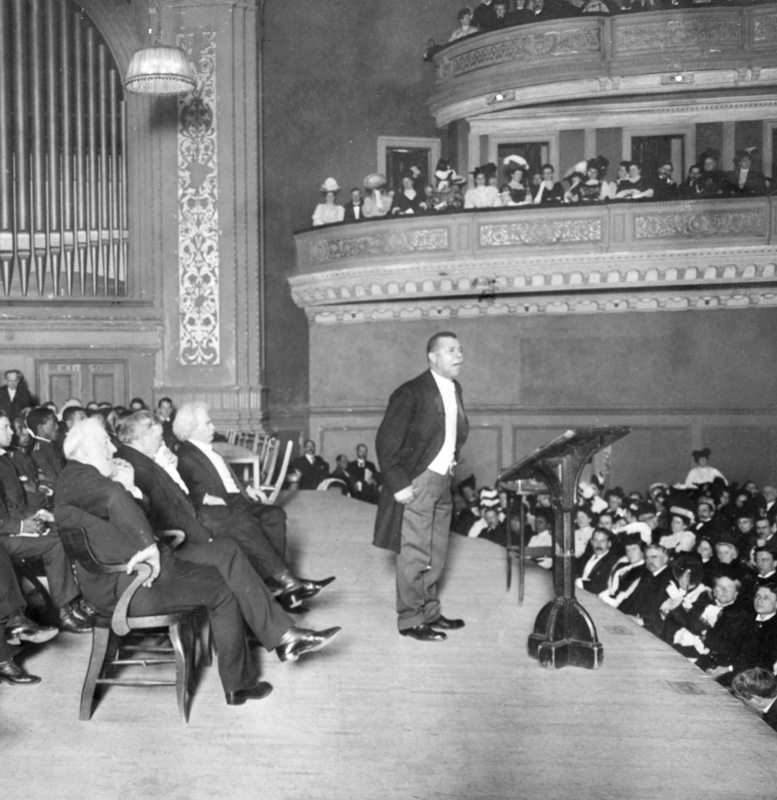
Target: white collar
point(443, 384)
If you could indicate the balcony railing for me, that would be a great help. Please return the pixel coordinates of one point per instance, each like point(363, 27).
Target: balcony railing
point(645, 251)
point(588, 57)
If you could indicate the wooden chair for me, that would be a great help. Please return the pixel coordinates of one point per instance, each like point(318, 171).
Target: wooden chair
point(269, 460)
point(270, 491)
point(111, 634)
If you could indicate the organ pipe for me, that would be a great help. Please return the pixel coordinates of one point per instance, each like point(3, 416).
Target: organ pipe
point(6, 150)
point(53, 121)
point(67, 177)
point(20, 27)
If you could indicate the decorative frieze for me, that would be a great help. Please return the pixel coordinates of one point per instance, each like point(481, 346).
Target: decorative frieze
point(700, 34)
point(690, 225)
point(538, 233)
point(765, 28)
point(387, 242)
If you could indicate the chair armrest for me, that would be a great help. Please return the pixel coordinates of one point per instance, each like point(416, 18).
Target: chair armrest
point(173, 537)
point(119, 620)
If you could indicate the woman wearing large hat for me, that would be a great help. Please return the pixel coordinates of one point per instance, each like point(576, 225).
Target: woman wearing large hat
point(377, 202)
point(327, 213)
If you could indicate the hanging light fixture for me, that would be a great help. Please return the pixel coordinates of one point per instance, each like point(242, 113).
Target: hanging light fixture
point(159, 69)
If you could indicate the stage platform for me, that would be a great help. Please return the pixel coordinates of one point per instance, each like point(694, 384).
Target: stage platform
point(380, 716)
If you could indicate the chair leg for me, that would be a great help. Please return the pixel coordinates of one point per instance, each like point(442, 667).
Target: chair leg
point(100, 640)
point(181, 670)
point(206, 642)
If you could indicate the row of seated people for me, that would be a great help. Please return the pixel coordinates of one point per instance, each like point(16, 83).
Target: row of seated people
point(495, 15)
point(695, 564)
point(586, 181)
point(126, 489)
point(358, 478)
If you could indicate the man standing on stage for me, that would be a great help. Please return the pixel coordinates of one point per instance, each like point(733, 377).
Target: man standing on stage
point(417, 445)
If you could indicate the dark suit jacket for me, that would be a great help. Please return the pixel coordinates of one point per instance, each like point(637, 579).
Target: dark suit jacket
point(48, 461)
point(597, 580)
point(312, 474)
point(409, 438)
point(169, 506)
point(200, 475)
point(22, 399)
point(349, 213)
point(19, 504)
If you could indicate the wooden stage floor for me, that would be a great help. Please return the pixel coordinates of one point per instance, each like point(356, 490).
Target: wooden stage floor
point(379, 716)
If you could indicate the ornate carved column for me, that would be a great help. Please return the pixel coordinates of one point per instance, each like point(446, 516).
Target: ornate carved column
point(212, 307)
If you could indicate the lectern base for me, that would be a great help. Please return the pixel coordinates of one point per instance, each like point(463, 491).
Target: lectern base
point(565, 636)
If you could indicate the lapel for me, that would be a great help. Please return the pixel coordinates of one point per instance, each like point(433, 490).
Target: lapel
point(11, 485)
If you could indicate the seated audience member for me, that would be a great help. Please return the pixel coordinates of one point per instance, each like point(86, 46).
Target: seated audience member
point(653, 590)
point(707, 524)
point(549, 192)
point(584, 520)
point(702, 473)
point(727, 553)
point(517, 170)
point(626, 573)
point(462, 519)
point(15, 397)
point(770, 496)
point(169, 507)
point(407, 200)
point(712, 182)
point(309, 468)
point(761, 536)
point(38, 496)
point(680, 539)
point(481, 195)
point(26, 532)
point(637, 187)
point(328, 212)
point(664, 187)
point(483, 15)
point(713, 628)
point(615, 498)
point(757, 689)
point(71, 415)
point(593, 571)
point(759, 645)
point(15, 627)
point(365, 476)
point(377, 203)
point(492, 528)
point(42, 423)
point(165, 411)
point(588, 184)
point(138, 404)
point(766, 566)
point(501, 18)
point(690, 188)
point(743, 179)
point(340, 476)
point(445, 198)
point(487, 499)
point(466, 28)
point(222, 504)
point(354, 211)
point(709, 562)
point(622, 181)
point(97, 493)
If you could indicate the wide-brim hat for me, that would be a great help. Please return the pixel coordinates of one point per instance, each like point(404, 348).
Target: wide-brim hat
point(375, 180)
point(516, 162)
point(579, 170)
point(697, 454)
point(330, 185)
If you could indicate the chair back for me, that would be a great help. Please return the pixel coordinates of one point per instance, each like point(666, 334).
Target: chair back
point(270, 492)
point(269, 460)
point(76, 544)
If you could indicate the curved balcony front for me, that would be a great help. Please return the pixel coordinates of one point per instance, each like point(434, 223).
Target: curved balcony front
point(658, 52)
point(610, 257)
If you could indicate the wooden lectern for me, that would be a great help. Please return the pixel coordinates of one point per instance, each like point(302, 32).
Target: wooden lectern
point(564, 633)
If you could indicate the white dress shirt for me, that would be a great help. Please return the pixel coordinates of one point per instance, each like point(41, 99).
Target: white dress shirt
point(443, 462)
point(221, 466)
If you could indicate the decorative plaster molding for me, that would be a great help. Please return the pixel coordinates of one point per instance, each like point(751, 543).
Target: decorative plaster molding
point(540, 232)
point(198, 222)
point(765, 28)
point(379, 243)
point(704, 36)
point(688, 224)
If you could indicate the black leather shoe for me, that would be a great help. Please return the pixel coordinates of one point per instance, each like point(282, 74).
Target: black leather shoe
point(290, 600)
point(80, 613)
point(311, 588)
point(424, 633)
point(68, 622)
point(13, 673)
point(262, 689)
point(298, 641)
point(20, 629)
point(447, 624)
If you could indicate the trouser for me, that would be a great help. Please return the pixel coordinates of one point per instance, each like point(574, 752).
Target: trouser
point(260, 531)
point(11, 601)
point(421, 560)
point(261, 612)
point(62, 583)
point(182, 586)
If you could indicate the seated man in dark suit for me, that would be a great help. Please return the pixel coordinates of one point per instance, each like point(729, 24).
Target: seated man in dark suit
point(42, 423)
point(365, 476)
point(757, 689)
point(170, 508)
point(227, 509)
point(652, 592)
point(97, 493)
point(341, 476)
point(27, 533)
point(14, 625)
point(14, 396)
point(593, 572)
point(354, 208)
point(310, 468)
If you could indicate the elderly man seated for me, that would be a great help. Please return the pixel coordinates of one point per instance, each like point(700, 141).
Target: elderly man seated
point(654, 589)
point(757, 689)
point(97, 493)
point(593, 571)
point(228, 509)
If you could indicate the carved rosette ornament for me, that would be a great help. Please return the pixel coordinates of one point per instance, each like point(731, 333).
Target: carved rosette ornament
point(695, 226)
point(198, 222)
point(379, 244)
point(541, 233)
